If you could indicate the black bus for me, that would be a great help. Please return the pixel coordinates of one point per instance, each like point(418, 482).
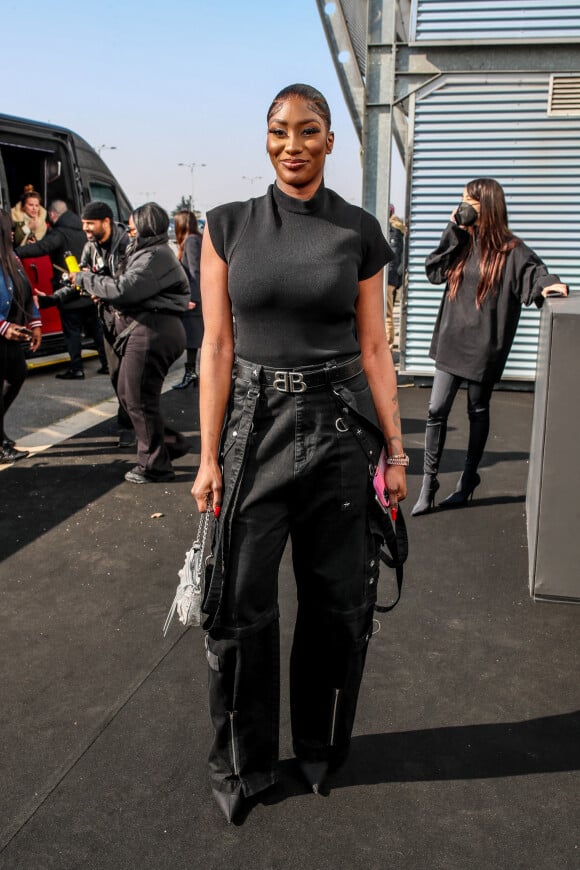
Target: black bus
point(59, 164)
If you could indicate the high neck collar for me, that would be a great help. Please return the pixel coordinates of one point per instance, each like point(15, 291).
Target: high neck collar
point(300, 206)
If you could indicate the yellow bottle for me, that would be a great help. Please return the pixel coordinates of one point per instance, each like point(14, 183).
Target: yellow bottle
point(71, 262)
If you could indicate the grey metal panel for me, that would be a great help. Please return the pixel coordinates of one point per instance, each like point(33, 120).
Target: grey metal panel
point(355, 16)
point(495, 19)
point(553, 490)
point(496, 126)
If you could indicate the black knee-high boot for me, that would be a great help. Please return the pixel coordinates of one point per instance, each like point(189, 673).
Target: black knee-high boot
point(189, 378)
point(435, 434)
point(469, 480)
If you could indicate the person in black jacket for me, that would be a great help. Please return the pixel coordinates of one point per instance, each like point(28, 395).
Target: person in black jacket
point(103, 254)
point(394, 270)
point(78, 314)
point(188, 238)
point(19, 324)
point(489, 274)
point(150, 294)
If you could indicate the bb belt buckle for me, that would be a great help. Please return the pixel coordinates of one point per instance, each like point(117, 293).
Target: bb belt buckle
point(289, 382)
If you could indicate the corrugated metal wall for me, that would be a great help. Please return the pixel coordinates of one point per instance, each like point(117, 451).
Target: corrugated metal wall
point(355, 16)
point(494, 19)
point(498, 127)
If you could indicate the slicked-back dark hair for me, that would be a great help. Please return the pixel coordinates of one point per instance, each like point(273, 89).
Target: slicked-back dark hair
point(315, 100)
point(150, 220)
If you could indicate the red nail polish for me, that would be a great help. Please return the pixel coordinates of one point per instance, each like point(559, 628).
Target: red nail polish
point(217, 510)
point(394, 513)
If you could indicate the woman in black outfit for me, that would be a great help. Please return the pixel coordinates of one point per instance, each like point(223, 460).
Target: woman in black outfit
point(489, 275)
point(149, 295)
point(19, 324)
point(188, 238)
point(301, 271)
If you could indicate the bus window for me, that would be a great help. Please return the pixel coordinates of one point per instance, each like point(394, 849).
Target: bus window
point(105, 193)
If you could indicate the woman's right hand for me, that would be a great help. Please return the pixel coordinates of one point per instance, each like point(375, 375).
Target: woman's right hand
point(207, 487)
point(15, 333)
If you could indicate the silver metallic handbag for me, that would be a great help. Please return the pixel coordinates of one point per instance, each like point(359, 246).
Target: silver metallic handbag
point(189, 595)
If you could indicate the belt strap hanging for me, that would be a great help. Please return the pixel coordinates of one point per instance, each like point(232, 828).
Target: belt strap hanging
point(395, 549)
point(214, 591)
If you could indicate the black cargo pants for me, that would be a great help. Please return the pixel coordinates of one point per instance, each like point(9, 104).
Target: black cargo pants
point(305, 476)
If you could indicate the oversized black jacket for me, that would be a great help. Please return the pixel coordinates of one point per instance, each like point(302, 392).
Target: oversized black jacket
point(190, 262)
point(474, 343)
point(152, 279)
point(396, 243)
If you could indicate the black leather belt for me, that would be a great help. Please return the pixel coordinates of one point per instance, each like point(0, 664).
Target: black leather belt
point(299, 380)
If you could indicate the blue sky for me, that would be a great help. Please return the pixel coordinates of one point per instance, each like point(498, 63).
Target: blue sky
point(189, 81)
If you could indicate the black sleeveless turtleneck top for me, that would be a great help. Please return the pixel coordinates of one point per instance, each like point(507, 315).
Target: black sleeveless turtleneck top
point(293, 272)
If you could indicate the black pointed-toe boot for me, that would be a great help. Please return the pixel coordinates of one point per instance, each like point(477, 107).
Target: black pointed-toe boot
point(314, 773)
point(189, 378)
point(435, 433)
point(426, 501)
point(470, 479)
point(463, 491)
point(229, 802)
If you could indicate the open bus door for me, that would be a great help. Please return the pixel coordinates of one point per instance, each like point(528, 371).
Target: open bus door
point(59, 164)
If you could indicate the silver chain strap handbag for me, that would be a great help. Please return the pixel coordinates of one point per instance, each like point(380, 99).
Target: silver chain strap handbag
point(189, 595)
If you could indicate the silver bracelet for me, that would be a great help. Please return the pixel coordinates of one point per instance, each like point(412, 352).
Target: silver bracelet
point(398, 459)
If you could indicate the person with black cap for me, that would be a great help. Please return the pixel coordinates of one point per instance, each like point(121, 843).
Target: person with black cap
point(149, 295)
point(103, 255)
point(77, 313)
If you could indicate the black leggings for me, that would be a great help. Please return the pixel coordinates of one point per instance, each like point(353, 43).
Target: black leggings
point(443, 393)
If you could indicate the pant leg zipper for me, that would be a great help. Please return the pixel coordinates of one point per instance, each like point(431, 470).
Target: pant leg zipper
point(232, 716)
point(334, 712)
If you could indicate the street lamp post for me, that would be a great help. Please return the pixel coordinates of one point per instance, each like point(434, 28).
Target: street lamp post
point(100, 148)
point(191, 167)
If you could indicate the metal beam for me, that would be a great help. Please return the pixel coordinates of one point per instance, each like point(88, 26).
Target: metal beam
point(419, 64)
point(349, 75)
point(380, 92)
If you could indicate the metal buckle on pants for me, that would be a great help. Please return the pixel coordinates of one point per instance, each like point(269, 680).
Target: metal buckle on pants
point(289, 382)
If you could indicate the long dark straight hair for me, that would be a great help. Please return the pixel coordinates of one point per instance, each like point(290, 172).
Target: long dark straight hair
point(495, 240)
point(8, 261)
point(185, 223)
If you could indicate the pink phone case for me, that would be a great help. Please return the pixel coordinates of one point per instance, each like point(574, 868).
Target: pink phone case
point(379, 481)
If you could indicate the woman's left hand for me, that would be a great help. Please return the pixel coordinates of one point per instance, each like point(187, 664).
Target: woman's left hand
point(396, 483)
point(555, 290)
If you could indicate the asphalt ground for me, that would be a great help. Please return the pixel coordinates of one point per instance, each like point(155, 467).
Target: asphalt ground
point(466, 751)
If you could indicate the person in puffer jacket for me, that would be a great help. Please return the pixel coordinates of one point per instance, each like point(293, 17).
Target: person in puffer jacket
point(149, 295)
